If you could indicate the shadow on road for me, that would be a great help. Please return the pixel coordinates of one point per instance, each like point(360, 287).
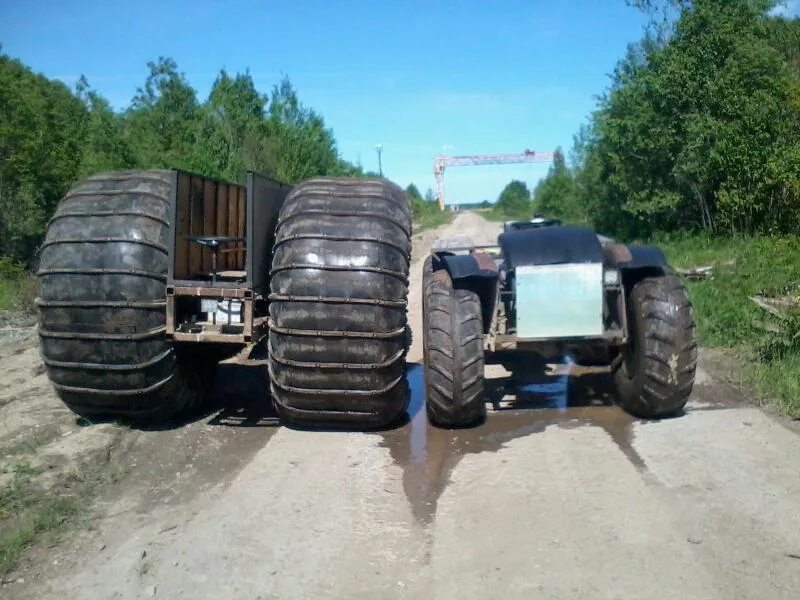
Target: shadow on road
point(240, 396)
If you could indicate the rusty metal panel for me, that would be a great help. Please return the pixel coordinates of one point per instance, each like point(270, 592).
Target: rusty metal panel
point(211, 292)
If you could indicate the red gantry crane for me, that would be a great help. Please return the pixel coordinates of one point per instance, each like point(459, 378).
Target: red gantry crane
point(474, 160)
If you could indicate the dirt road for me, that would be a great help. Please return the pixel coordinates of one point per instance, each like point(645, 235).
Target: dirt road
point(558, 495)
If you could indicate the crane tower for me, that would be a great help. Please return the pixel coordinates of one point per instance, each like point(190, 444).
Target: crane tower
point(473, 160)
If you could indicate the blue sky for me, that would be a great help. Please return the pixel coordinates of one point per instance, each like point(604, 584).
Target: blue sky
point(418, 77)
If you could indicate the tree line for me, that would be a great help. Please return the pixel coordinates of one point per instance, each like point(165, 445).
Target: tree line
point(698, 130)
point(51, 136)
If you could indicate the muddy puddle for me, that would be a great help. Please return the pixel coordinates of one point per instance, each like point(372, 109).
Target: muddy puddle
point(520, 405)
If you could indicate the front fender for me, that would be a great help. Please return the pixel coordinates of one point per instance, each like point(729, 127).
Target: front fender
point(475, 272)
point(644, 256)
point(462, 266)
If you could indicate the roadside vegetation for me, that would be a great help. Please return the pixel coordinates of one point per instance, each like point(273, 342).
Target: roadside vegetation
point(17, 286)
point(695, 145)
point(51, 136)
point(41, 498)
point(742, 269)
point(425, 210)
point(698, 131)
point(39, 504)
point(514, 202)
point(27, 512)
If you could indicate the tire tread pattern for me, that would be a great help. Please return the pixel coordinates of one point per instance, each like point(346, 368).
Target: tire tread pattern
point(453, 347)
point(662, 319)
point(338, 326)
point(101, 298)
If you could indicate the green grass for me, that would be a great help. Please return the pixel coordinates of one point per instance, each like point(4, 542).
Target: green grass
point(427, 215)
point(29, 445)
point(17, 286)
point(27, 512)
point(30, 513)
point(17, 293)
point(8, 293)
point(495, 215)
point(726, 317)
point(431, 220)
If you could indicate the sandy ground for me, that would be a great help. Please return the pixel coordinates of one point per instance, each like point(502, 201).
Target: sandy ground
point(559, 495)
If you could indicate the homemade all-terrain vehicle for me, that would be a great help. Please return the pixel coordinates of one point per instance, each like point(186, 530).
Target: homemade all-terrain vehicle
point(552, 290)
point(148, 279)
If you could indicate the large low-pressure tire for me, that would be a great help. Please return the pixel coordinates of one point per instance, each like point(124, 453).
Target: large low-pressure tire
point(656, 375)
point(102, 302)
point(453, 347)
point(339, 289)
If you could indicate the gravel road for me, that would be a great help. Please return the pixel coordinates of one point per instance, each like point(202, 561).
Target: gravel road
point(559, 495)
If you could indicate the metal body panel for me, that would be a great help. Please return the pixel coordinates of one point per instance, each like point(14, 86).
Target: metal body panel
point(550, 246)
point(264, 200)
point(559, 301)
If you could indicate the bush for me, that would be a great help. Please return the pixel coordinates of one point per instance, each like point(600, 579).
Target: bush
point(514, 201)
point(10, 268)
point(17, 286)
point(426, 211)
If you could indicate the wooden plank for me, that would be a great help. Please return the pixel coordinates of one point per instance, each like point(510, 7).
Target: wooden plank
point(211, 337)
point(222, 220)
point(240, 232)
point(209, 219)
point(231, 292)
point(697, 273)
point(765, 304)
point(248, 318)
point(233, 223)
point(181, 266)
point(195, 252)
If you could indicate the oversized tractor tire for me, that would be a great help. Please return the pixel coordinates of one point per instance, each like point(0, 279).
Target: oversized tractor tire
point(453, 347)
point(656, 375)
point(102, 302)
point(339, 288)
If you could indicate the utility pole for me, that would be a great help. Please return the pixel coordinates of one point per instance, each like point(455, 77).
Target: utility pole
point(379, 148)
